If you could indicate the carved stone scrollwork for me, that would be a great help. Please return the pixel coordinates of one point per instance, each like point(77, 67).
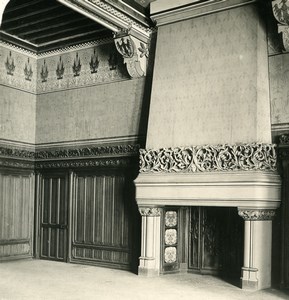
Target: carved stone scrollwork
point(150, 211)
point(257, 215)
point(135, 53)
point(281, 14)
point(209, 158)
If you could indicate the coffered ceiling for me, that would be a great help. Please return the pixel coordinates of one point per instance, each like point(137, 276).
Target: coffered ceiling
point(46, 24)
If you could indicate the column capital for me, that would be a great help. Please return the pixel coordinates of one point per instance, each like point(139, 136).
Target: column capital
point(257, 214)
point(150, 211)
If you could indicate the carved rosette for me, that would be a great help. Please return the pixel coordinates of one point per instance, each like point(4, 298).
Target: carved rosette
point(284, 139)
point(150, 211)
point(134, 52)
point(209, 158)
point(281, 14)
point(257, 215)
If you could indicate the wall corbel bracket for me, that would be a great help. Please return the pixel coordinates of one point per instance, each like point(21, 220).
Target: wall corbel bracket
point(281, 13)
point(131, 29)
point(134, 51)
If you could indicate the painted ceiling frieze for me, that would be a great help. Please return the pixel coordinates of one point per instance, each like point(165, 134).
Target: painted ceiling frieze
point(18, 69)
point(209, 158)
point(93, 65)
point(86, 67)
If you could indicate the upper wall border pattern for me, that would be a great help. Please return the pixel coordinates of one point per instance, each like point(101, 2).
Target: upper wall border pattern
point(209, 158)
point(59, 51)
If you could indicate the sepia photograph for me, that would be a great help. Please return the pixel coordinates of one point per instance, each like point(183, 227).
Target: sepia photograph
point(144, 149)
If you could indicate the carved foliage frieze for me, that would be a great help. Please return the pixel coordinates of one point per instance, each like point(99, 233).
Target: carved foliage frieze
point(101, 156)
point(88, 152)
point(257, 215)
point(209, 158)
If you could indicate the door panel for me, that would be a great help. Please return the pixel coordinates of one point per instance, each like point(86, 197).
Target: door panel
point(101, 217)
point(54, 216)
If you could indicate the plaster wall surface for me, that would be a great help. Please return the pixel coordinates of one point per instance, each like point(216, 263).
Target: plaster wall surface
point(102, 111)
point(210, 83)
point(279, 88)
point(17, 115)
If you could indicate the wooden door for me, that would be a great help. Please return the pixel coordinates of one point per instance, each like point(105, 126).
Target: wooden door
point(54, 217)
point(216, 241)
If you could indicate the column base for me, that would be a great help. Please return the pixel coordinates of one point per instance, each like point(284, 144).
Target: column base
point(249, 279)
point(148, 272)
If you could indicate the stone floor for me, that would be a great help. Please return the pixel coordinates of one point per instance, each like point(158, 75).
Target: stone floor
point(39, 279)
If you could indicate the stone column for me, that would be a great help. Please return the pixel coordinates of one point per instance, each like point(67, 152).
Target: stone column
point(149, 262)
point(256, 271)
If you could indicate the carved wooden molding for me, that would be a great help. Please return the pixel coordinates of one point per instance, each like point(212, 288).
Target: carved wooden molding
point(281, 14)
point(150, 211)
point(101, 156)
point(257, 214)
point(209, 158)
point(115, 150)
point(96, 162)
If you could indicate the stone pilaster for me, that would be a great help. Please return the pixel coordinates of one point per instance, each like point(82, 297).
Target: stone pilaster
point(256, 270)
point(149, 261)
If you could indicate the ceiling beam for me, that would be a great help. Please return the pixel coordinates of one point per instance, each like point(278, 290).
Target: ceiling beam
point(49, 34)
point(31, 14)
point(57, 25)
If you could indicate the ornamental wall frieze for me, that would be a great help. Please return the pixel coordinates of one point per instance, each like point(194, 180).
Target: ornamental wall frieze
point(16, 153)
point(209, 158)
point(101, 156)
point(150, 211)
point(257, 215)
point(116, 150)
point(88, 66)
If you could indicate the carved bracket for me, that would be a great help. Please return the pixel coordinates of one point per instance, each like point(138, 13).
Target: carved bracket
point(281, 14)
point(132, 29)
point(135, 53)
point(257, 215)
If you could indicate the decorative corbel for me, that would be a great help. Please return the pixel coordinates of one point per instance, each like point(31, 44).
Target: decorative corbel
point(135, 53)
point(132, 29)
point(281, 14)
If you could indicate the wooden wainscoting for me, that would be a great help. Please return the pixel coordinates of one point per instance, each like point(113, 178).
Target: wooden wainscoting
point(16, 214)
point(102, 219)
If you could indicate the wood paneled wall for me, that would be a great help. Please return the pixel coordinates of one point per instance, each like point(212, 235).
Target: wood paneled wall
point(16, 214)
point(102, 220)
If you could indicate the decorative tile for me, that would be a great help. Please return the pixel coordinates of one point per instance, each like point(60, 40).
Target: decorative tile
point(171, 237)
point(171, 219)
point(170, 255)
